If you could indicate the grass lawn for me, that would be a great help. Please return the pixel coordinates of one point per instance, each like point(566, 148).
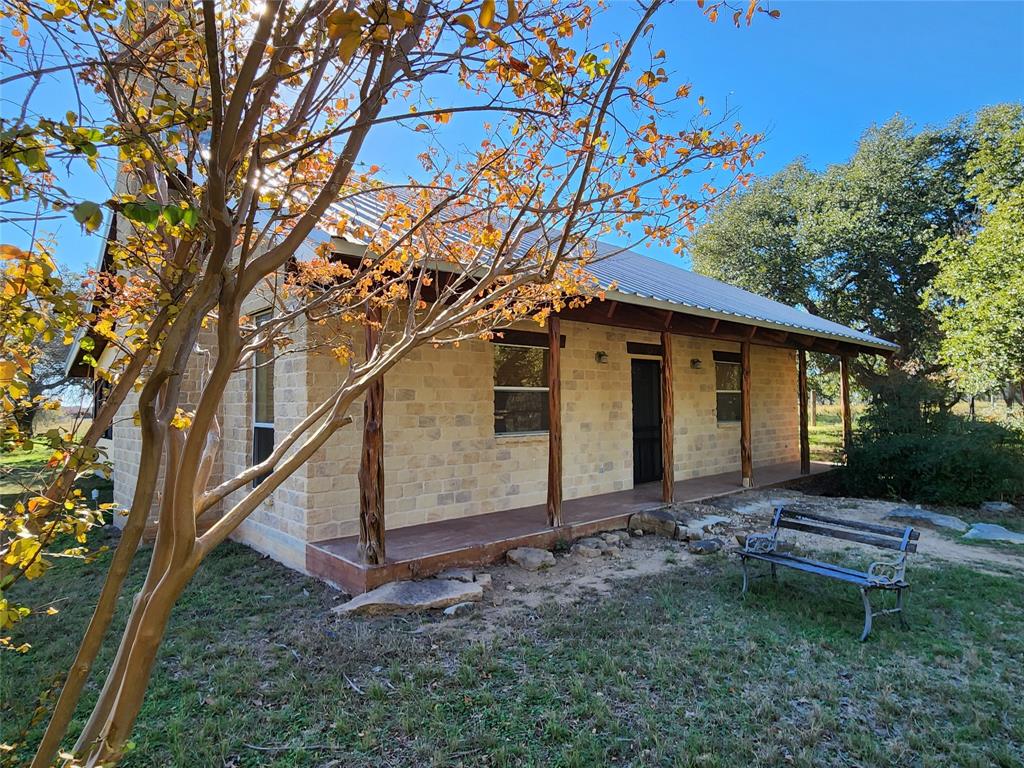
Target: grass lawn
point(21, 469)
point(675, 670)
point(826, 436)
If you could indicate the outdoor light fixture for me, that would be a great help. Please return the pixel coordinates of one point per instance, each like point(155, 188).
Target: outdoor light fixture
point(601, 357)
point(695, 363)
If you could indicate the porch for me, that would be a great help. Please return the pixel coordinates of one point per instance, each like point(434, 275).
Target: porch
point(418, 551)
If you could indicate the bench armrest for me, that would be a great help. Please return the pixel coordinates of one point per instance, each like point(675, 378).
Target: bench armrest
point(884, 572)
point(760, 543)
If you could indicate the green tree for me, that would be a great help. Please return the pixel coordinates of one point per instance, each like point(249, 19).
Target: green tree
point(979, 289)
point(851, 243)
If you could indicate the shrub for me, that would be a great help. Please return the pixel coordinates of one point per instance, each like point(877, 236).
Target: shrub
point(907, 447)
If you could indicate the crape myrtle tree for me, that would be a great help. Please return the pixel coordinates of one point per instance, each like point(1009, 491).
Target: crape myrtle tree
point(236, 133)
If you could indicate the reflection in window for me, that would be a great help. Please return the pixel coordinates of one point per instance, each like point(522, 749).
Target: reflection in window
point(520, 389)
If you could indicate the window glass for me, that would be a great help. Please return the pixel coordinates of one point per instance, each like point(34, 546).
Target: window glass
point(263, 403)
point(520, 389)
point(729, 405)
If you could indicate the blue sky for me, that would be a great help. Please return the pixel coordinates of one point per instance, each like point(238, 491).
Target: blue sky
point(813, 79)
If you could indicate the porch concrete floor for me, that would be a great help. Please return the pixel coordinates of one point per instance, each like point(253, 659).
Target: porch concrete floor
point(417, 551)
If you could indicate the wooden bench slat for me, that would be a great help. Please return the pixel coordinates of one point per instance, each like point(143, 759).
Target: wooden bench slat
point(861, 538)
point(818, 570)
point(885, 530)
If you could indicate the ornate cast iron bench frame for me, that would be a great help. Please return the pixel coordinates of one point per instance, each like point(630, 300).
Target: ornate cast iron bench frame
point(889, 575)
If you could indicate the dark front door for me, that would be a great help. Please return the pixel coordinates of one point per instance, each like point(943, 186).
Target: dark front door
point(646, 421)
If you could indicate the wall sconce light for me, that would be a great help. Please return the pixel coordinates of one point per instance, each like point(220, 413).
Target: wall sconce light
point(695, 363)
point(601, 357)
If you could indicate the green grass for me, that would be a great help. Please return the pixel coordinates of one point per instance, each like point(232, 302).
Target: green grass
point(23, 471)
point(677, 670)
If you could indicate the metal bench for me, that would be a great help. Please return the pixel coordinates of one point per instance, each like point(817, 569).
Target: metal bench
point(889, 575)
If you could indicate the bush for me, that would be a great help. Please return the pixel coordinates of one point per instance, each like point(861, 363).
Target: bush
point(907, 447)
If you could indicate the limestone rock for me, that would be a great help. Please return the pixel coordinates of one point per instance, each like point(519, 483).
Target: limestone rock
point(992, 532)
point(589, 547)
point(997, 507)
point(411, 596)
point(531, 558)
point(656, 521)
point(459, 609)
point(918, 515)
point(484, 580)
point(704, 546)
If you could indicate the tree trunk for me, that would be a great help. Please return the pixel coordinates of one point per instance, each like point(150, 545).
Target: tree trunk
point(24, 418)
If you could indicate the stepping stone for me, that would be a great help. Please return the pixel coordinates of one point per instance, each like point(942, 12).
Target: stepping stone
point(997, 507)
point(704, 546)
point(918, 515)
point(992, 532)
point(656, 521)
point(410, 597)
point(531, 558)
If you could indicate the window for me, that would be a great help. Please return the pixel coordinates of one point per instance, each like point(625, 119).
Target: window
point(100, 393)
point(728, 392)
point(263, 403)
point(520, 389)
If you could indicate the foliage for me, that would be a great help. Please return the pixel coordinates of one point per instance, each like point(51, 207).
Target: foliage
point(628, 677)
point(978, 290)
point(906, 447)
point(235, 135)
point(850, 243)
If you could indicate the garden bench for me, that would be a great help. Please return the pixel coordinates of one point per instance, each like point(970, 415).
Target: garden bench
point(888, 575)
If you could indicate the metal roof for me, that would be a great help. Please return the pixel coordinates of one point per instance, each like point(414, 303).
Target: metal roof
point(660, 284)
point(642, 280)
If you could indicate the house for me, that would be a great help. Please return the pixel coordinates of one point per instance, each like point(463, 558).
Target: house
point(673, 387)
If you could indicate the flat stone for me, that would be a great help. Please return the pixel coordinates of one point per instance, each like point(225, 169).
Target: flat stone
point(589, 547)
point(657, 521)
point(459, 609)
point(531, 558)
point(918, 515)
point(484, 580)
point(411, 596)
point(704, 546)
point(457, 574)
point(997, 507)
point(993, 532)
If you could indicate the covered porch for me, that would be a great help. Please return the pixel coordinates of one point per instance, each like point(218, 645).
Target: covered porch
point(422, 550)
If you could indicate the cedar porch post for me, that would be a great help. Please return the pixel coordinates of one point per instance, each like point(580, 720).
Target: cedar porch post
point(668, 421)
point(371, 465)
point(554, 423)
point(805, 438)
point(746, 453)
point(844, 396)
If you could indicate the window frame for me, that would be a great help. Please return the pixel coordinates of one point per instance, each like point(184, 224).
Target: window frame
point(259, 318)
point(505, 388)
point(727, 358)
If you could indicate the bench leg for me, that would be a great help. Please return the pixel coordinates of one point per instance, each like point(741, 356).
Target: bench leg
point(899, 608)
point(746, 579)
point(867, 615)
point(775, 575)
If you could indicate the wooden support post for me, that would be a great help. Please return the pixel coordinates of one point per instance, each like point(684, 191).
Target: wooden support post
point(371, 465)
point(554, 424)
point(814, 408)
point(844, 396)
point(668, 421)
point(805, 437)
point(746, 453)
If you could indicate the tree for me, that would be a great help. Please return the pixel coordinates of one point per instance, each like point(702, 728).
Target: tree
point(850, 244)
point(48, 383)
point(238, 134)
point(977, 291)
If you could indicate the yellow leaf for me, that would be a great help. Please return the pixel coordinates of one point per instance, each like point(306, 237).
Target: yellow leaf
point(487, 13)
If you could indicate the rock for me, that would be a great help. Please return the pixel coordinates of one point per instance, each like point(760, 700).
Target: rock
point(531, 558)
point(657, 521)
point(637, 532)
point(459, 609)
point(997, 507)
point(589, 547)
point(484, 580)
point(611, 539)
point(704, 546)
point(457, 574)
point(992, 532)
point(411, 596)
point(918, 515)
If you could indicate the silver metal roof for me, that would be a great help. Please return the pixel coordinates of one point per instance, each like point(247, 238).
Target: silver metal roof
point(657, 283)
point(646, 281)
